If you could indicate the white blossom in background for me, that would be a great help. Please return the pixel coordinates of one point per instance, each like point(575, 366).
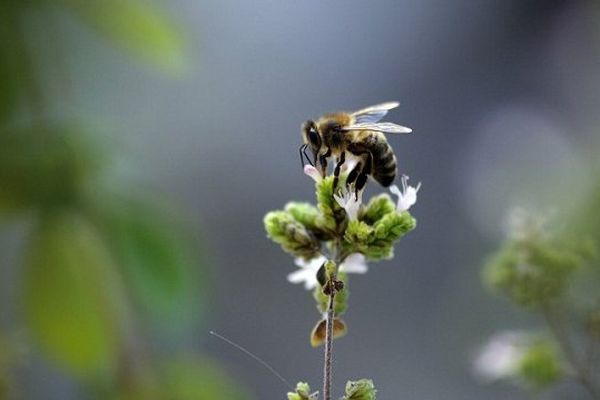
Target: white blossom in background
point(349, 201)
point(501, 356)
point(307, 272)
point(407, 197)
point(523, 223)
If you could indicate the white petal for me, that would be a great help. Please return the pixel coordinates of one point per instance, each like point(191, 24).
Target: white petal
point(395, 190)
point(303, 275)
point(355, 263)
point(348, 201)
point(407, 196)
point(313, 173)
point(313, 264)
point(500, 357)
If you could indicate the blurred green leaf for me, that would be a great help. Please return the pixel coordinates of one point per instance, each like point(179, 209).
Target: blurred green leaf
point(70, 295)
point(137, 26)
point(9, 72)
point(200, 380)
point(540, 366)
point(156, 259)
point(44, 167)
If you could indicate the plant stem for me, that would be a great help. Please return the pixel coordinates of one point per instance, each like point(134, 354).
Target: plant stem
point(327, 367)
point(556, 325)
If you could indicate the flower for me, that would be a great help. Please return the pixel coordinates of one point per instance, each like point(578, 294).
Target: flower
point(523, 223)
point(314, 173)
point(407, 197)
point(501, 356)
point(349, 201)
point(353, 264)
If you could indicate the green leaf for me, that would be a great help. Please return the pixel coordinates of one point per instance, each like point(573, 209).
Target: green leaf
point(292, 236)
point(362, 389)
point(156, 259)
point(205, 380)
point(302, 392)
point(136, 26)
point(71, 295)
point(45, 167)
point(540, 366)
point(378, 206)
point(9, 71)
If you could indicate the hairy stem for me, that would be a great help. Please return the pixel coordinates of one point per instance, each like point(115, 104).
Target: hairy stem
point(327, 367)
point(556, 325)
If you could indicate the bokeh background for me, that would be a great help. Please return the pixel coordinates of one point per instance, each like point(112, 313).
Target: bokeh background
point(141, 143)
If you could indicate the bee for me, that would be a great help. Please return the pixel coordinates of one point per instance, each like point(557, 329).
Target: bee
point(359, 133)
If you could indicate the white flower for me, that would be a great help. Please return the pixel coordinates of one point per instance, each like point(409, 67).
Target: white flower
point(353, 264)
point(407, 197)
point(314, 173)
point(307, 272)
point(523, 223)
point(349, 201)
point(501, 356)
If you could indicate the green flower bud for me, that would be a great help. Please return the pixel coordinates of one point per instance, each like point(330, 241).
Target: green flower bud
point(331, 213)
point(378, 207)
point(360, 390)
point(393, 226)
point(358, 235)
point(293, 237)
point(377, 242)
point(302, 392)
point(531, 272)
point(540, 365)
point(309, 216)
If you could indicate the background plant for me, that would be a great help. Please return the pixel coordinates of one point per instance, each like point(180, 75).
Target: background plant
point(549, 266)
point(107, 264)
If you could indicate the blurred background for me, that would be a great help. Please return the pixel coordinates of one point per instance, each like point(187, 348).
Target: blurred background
point(142, 142)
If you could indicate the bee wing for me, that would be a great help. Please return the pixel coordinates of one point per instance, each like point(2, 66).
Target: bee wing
point(373, 114)
point(384, 127)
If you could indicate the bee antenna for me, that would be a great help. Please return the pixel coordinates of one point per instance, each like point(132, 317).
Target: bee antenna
point(255, 357)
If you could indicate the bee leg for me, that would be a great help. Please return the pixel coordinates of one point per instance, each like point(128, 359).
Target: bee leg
point(361, 181)
point(323, 162)
point(353, 174)
point(303, 155)
point(336, 171)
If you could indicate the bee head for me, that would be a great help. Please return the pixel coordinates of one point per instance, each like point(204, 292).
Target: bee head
point(311, 138)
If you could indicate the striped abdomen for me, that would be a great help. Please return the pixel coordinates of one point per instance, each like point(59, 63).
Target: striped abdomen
point(383, 167)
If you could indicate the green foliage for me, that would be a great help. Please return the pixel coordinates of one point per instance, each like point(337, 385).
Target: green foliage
point(136, 26)
point(302, 392)
point(332, 214)
point(199, 380)
point(9, 63)
point(532, 272)
point(305, 213)
point(540, 366)
point(376, 241)
point(293, 237)
point(45, 167)
point(362, 389)
point(377, 207)
point(71, 295)
point(155, 259)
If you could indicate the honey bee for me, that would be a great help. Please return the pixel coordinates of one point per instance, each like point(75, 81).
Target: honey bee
point(359, 133)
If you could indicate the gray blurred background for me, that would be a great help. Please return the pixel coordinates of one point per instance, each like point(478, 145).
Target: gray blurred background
point(502, 97)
